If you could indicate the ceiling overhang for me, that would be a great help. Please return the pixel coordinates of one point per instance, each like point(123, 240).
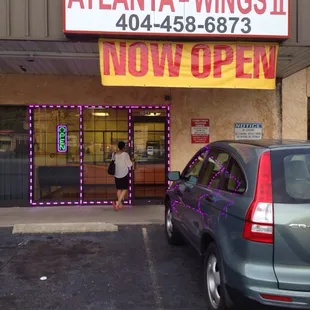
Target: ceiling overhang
point(82, 58)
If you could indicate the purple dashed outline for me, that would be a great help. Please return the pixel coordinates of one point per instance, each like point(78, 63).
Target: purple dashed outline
point(230, 202)
point(198, 209)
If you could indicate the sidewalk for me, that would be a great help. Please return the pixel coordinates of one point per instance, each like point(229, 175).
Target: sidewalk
point(87, 217)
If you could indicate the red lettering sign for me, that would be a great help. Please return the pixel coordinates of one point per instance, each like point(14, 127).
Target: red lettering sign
point(268, 60)
point(278, 7)
point(134, 49)
point(206, 61)
point(118, 59)
point(166, 3)
point(241, 60)
point(138, 49)
point(104, 6)
point(124, 3)
point(159, 61)
point(219, 61)
point(200, 131)
point(193, 63)
point(80, 2)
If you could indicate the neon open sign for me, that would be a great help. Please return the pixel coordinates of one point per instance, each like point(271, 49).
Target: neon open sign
point(62, 138)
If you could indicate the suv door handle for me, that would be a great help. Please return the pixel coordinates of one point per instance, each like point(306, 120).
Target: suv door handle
point(209, 198)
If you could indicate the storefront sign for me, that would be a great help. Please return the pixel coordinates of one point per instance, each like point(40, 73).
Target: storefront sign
point(200, 131)
point(203, 18)
point(248, 131)
point(62, 138)
point(186, 64)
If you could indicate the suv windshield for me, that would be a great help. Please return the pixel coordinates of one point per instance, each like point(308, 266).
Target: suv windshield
point(291, 175)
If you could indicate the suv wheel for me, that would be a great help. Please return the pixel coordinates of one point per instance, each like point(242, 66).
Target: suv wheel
point(215, 291)
point(173, 236)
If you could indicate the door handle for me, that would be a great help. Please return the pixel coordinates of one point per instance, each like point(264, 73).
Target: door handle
point(209, 198)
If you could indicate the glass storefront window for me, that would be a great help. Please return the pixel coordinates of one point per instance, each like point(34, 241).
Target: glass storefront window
point(14, 156)
point(72, 148)
point(56, 175)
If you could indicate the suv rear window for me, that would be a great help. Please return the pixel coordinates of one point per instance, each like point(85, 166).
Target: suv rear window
point(291, 175)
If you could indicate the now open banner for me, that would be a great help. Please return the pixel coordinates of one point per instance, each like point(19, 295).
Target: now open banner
point(188, 64)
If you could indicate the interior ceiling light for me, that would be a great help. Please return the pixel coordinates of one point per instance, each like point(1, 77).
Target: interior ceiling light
point(152, 114)
point(101, 114)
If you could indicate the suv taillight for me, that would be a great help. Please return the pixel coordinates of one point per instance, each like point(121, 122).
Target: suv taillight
point(259, 217)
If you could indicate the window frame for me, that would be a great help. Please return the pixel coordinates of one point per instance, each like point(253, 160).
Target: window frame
point(213, 150)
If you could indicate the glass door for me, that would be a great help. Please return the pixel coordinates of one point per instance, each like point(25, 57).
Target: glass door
point(102, 130)
point(150, 152)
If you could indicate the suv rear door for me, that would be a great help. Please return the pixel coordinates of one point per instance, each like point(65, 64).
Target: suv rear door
point(205, 198)
point(291, 196)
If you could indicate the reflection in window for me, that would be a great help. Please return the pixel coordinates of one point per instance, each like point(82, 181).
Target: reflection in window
point(297, 176)
point(234, 178)
point(149, 141)
point(14, 155)
point(212, 171)
point(195, 165)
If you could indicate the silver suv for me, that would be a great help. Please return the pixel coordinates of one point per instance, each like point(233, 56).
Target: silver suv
point(245, 207)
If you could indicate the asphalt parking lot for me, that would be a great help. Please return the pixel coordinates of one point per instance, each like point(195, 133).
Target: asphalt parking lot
point(132, 269)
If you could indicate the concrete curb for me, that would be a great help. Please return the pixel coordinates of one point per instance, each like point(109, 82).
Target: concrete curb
point(55, 228)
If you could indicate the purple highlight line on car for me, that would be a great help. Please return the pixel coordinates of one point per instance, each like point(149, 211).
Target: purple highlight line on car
point(230, 202)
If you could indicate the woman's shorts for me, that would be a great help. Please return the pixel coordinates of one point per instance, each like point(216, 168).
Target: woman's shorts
point(122, 183)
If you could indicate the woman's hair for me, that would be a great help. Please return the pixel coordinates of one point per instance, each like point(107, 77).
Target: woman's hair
point(121, 145)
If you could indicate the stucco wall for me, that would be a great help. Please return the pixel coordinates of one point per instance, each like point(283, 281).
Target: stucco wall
point(223, 107)
point(295, 105)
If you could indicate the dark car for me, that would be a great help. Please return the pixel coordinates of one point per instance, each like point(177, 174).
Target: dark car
point(245, 207)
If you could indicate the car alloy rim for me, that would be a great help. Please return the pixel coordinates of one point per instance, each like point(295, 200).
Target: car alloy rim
point(169, 225)
point(213, 281)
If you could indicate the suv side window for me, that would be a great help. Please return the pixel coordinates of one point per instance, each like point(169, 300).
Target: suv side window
point(194, 166)
point(234, 178)
point(211, 174)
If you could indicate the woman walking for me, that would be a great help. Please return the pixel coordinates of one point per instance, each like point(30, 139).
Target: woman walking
point(122, 165)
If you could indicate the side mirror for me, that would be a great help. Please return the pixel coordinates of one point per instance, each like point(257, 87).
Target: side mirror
point(174, 176)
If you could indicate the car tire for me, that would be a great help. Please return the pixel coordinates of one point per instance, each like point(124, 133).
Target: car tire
point(215, 290)
point(173, 236)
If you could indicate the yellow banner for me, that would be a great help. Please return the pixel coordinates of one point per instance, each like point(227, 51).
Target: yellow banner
point(188, 64)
